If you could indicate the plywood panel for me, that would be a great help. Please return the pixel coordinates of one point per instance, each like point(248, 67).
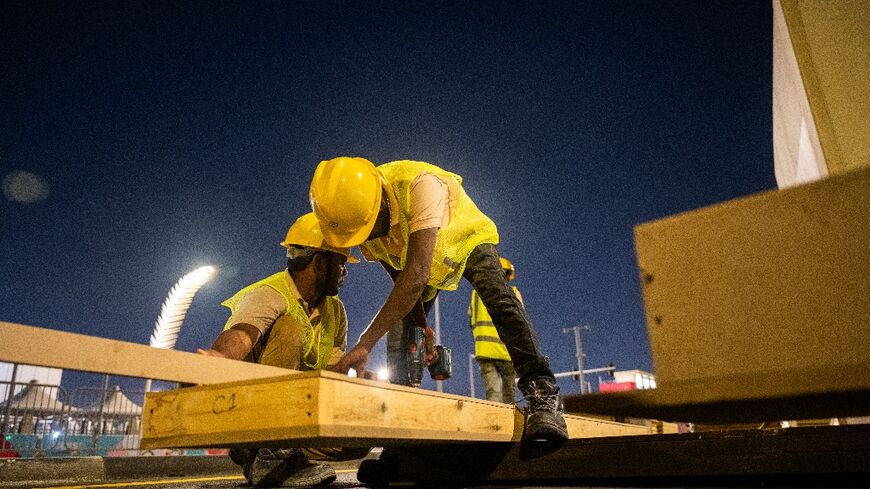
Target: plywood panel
point(328, 409)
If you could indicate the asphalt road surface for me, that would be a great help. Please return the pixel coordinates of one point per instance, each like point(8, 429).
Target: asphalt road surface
point(346, 479)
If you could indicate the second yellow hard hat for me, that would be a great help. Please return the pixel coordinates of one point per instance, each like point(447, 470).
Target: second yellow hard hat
point(306, 232)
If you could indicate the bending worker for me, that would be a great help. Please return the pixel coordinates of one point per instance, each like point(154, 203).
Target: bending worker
point(292, 319)
point(417, 220)
point(496, 368)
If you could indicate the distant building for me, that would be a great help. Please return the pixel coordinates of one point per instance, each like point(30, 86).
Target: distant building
point(629, 380)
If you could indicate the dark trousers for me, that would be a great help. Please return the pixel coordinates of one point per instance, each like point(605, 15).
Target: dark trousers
point(483, 271)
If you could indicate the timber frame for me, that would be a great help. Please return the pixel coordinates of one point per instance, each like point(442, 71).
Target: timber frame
point(324, 409)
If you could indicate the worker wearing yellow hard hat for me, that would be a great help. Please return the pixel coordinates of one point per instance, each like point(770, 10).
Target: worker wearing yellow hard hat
point(292, 319)
point(418, 221)
point(304, 236)
point(496, 368)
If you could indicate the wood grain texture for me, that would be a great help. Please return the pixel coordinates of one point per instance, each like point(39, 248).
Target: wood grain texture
point(317, 409)
point(43, 347)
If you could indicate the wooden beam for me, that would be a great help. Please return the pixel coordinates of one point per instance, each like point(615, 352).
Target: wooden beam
point(30, 345)
point(317, 409)
point(794, 457)
point(692, 402)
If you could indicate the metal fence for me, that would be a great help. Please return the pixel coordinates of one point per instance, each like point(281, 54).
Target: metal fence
point(39, 420)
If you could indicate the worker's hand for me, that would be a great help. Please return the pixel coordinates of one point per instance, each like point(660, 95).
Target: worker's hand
point(431, 354)
point(210, 353)
point(356, 359)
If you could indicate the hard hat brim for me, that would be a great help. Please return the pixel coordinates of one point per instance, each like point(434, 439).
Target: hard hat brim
point(348, 255)
point(349, 240)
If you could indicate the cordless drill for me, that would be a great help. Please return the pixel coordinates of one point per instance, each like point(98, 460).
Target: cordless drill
point(415, 344)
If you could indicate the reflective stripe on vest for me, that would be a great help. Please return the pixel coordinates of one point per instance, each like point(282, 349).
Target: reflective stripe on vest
point(330, 314)
point(487, 343)
point(468, 226)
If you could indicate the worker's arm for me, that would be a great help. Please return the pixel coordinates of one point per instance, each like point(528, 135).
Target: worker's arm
point(255, 313)
point(339, 341)
point(234, 343)
point(418, 316)
point(407, 289)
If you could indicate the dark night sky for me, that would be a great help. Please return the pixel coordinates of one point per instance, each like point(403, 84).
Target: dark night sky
point(173, 135)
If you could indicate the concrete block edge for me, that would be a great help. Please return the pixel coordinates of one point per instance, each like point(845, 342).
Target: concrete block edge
point(77, 470)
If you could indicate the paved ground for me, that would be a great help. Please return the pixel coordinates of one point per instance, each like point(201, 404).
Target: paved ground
point(346, 480)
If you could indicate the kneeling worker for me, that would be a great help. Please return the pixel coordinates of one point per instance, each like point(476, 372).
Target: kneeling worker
point(292, 319)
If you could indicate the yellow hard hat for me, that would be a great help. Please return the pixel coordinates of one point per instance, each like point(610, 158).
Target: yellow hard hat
point(509, 267)
point(306, 232)
point(345, 195)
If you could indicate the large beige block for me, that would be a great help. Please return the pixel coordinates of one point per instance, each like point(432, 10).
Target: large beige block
point(762, 296)
point(821, 81)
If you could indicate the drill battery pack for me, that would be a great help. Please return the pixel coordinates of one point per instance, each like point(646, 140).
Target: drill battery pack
point(441, 369)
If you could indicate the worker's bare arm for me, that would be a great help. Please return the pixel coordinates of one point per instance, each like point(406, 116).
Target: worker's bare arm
point(408, 286)
point(392, 272)
point(418, 312)
point(234, 343)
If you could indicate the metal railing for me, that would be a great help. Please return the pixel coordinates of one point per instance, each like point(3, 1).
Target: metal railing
point(39, 420)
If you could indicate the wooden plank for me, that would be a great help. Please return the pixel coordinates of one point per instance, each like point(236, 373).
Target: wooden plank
point(73, 351)
point(694, 403)
point(317, 409)
point(762, 297)
point(751, 458)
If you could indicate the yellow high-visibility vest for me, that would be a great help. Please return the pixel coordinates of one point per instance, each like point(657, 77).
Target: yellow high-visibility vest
point(468, 226)
point(487, 343)
point(331, 312)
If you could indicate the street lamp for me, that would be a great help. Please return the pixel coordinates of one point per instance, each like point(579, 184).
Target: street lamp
point(383, 374)
point(578, 347)
point(174, 309)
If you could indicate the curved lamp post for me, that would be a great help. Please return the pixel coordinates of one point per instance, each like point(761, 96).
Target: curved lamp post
point(174, 309)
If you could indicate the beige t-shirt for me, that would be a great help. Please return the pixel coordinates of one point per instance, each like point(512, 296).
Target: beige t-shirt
point(430, 197)
point(262, 307)
point(432, 200)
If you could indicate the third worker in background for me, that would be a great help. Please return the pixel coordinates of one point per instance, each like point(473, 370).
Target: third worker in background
point(418, 222)
point(496, 368)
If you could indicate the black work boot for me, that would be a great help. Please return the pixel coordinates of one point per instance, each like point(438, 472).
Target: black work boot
point(245, 457)
point(544, 421)
point(287, 467)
